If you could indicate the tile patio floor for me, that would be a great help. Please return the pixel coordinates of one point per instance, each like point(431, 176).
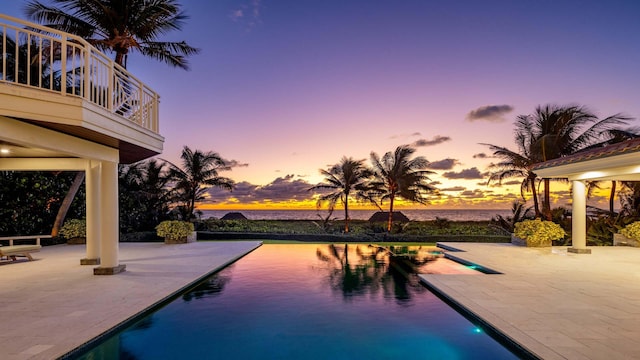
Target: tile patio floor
point(556, 304)
point(52, 305)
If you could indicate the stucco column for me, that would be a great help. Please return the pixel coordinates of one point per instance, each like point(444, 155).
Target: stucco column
point(92, 181)
point(109, 227)
point(579, 219)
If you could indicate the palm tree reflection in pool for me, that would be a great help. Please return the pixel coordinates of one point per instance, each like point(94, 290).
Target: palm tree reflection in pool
point(359, 270)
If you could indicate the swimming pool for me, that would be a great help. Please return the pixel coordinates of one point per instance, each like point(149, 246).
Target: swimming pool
point(304, 302)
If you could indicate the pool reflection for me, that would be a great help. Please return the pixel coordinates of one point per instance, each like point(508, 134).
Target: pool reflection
point(347, 301)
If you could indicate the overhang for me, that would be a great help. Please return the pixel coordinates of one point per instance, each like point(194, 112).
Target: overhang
point(619, 161)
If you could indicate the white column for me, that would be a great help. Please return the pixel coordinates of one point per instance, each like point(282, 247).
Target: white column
point(110, 224)
point(579, 219)
point(92, 181)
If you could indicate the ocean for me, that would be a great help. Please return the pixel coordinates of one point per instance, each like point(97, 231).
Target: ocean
point(416, 215)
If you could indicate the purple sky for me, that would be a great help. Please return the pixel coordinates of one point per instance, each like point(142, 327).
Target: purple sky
point(287, 87)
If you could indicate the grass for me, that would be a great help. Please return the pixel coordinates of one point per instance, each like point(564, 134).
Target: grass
point(357, 227)
point(292, 231)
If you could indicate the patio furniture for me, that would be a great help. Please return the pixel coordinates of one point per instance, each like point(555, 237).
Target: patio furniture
point(12, 251)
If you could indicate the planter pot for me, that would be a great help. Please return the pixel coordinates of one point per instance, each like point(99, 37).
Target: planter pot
point(621, 240)
point(186, 239)
point(522, 242)
point(77, 241)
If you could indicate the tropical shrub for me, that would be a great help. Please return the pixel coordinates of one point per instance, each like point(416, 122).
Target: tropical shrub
point(537, 232)
point(74, 228)
point(174, 229)
point(632, 231)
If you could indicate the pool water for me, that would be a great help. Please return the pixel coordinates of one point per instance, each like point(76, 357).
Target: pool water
point(305, 302)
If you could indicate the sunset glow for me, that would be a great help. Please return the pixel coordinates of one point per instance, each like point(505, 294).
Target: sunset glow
point(282, 89)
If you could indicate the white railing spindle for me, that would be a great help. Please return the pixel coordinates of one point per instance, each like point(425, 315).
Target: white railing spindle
point(84, 71)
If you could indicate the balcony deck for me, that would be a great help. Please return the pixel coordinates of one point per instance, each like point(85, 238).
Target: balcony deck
point(60, 82)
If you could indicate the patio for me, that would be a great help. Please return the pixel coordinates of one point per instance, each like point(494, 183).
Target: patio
point(52, 305)
point(557, 304)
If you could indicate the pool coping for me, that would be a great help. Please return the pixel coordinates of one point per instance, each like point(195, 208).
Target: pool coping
point(80, 350)
point(504, 339)
point(556, 304)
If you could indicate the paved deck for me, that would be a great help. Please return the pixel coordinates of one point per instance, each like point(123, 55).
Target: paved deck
point(52, 305)
point(556, 304)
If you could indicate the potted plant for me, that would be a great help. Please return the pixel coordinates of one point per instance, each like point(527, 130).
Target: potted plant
point(75, 231)
point(176, 231)
point(536, 233)
point(628, 236)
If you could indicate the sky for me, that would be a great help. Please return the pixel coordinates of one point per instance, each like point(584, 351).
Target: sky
point(282, 89)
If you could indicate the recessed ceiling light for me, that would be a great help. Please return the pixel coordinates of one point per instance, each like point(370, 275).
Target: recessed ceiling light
point(4, 151)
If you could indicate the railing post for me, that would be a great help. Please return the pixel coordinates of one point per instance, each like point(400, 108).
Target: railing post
point(111, 87)
point(63, 65)
point(141, 105)
point(87, 75)
point(156, 112)
point(4, 58)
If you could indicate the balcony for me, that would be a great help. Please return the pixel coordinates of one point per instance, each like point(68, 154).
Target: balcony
point(59, 82)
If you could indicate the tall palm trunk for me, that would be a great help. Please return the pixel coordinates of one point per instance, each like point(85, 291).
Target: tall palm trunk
point(66, 203)
point(346, 213)
point(546, 205)
point(612, 195)
point(390, 221)
point(536, 206)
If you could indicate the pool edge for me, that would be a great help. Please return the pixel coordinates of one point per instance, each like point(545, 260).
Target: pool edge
point(79, 350)
point(518, 349)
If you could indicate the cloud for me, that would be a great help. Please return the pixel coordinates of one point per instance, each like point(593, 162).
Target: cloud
point(435, 141)
point(236, 14)
point(287, 188)
point(444, 164)
point(455, 188)
point(472, 173)
point(473, 194)
point(483, 156)
point(247, 14)
point(404, 136)
point(512, 182)
point(492, 113)
point(234, 163)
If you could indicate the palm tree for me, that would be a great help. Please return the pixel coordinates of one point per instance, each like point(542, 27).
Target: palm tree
point(343, 178)
point(120, 27)
point(396, 175)
point(199, 171)
point(144, 195)
point(518, 164)
point(565, 130)
point(549, 133)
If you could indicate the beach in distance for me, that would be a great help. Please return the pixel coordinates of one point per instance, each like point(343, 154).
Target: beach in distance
point(412, 214)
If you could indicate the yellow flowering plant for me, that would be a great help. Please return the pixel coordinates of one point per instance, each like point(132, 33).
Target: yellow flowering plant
point(632, 231)
point(538, 232)
point(74, 228)
point(174, 229)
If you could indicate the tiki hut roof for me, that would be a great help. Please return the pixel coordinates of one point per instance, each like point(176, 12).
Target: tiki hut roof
point(233, 216)
point(383, 216)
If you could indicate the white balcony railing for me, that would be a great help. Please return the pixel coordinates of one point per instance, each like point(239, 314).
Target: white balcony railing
point(40, 57)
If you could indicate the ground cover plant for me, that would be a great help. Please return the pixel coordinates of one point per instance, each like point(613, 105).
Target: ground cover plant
point(360, 230)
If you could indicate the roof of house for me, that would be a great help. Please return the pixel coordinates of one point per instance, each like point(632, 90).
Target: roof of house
point(625, 147)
